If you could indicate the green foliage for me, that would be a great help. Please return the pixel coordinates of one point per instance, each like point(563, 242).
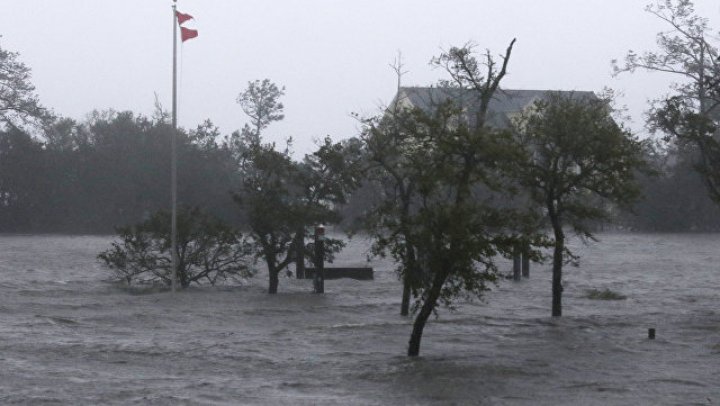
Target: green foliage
point(267, 190)
point(605, 294)
point(446, 234)
point(429, 170)
point(267, 199)
point(580, 159)
point(207, 251)
point(329, 174)
point(394, 160)
point(282, 198)
point(434, 217)
point(580, 164)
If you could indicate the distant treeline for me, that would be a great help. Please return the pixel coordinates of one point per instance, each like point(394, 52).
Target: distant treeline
point(676, 199)
point(114, 169)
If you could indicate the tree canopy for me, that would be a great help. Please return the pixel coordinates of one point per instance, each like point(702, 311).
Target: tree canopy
point(579, 164)
point(19, 105)
point(432, 218)
point(208, 250)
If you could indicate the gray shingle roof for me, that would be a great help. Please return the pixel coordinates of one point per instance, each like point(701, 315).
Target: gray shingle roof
point(504, 102)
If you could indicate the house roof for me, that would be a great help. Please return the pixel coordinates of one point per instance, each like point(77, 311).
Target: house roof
point(504, 103)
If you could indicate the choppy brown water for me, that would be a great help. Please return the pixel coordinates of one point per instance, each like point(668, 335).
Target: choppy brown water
point(68, 336)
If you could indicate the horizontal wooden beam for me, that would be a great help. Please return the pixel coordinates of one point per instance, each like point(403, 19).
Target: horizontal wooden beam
point(363, 274)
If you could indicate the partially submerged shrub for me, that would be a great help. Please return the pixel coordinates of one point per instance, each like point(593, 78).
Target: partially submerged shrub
point(606, 294)
point(207, 250)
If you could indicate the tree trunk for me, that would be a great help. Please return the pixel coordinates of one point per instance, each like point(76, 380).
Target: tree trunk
point(274, 281)
point(405, 305)
point(425, 311)
point(273, 273)
point(410, 272)
point(300, 253)
point(182, 276)
point(557, 288)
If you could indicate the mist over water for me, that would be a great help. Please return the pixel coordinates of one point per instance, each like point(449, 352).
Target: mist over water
point(69, 336)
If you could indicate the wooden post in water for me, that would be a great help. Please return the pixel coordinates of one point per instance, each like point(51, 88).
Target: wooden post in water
point(319, 277)
point(651, 333)
point(526, 262)
point(517, 259)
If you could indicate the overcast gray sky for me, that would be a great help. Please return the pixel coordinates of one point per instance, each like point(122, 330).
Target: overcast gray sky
point(331, 55)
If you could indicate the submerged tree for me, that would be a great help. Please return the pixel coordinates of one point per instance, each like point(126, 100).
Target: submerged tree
point(325, 180)
point(384, 143)
point(265, 194)
point(281, 198)
point(267, 197)
point(581, 160)
point(448, 233)
point(457, 231)
point(207, 251)
point(387, 141)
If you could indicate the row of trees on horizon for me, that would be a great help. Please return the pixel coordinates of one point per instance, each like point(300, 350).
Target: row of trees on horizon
point(113, 169)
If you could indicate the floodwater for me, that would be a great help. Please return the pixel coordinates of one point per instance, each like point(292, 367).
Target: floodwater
point(69, 336)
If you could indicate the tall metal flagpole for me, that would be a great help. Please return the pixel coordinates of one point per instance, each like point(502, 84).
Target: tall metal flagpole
point(173, 153)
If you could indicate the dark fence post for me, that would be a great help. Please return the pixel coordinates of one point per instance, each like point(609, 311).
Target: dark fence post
point(517, 259)
point(319, 279)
